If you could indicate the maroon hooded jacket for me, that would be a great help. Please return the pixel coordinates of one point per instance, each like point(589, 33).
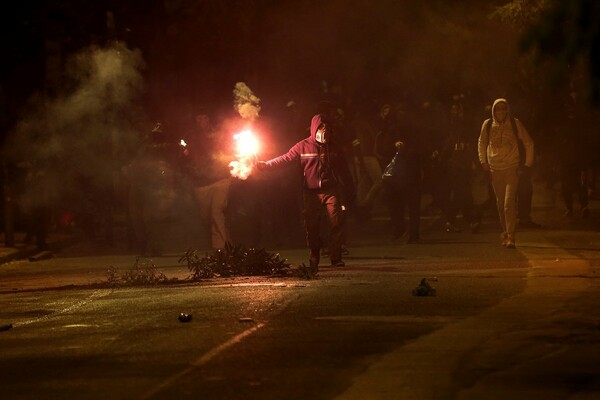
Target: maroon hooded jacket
point(323, 165)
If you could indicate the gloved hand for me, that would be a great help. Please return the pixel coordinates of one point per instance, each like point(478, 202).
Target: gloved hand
point(261, 165)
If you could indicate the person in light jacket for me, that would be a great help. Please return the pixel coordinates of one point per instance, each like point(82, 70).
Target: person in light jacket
point(500, 154)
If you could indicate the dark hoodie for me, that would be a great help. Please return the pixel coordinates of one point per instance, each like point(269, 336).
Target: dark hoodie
point(323, 165)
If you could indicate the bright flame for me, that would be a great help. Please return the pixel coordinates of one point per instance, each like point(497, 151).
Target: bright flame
point(247, 146)
point(183, 143)
point(246, 143)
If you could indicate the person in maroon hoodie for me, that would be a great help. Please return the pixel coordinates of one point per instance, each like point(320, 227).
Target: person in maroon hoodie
point(327, 185)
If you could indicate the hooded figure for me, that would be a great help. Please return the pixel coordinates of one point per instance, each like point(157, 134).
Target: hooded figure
point(499, 153)
point(327, 184)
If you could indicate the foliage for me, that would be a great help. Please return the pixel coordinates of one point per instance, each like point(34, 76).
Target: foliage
point(567, 33)
point(143, 272)
point(521, 13)
point(234, 260)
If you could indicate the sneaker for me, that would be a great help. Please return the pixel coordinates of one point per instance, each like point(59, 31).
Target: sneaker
point(510, 241)
point(338, 263)
point(451, 228)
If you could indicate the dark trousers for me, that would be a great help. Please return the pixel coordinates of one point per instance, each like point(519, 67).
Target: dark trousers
point(573, 181)
point(314, 204)
point(398, 200)
point(524, 197)
point(457, 196)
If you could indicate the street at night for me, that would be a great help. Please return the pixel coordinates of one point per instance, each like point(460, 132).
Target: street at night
point(503, 324)
point(300, 199)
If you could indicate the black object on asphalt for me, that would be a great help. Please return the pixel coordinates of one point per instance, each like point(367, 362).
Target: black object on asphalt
point(183, 317)
point(6, 327)
point(424, 289)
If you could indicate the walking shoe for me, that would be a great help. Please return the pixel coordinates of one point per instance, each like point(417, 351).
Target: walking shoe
point(345, 250)
point(451, 228)
point(510, 241)
point(338, 263)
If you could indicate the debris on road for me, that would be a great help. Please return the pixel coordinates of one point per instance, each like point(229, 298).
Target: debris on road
point(183, 317)
point(424, 289)
point(43, 255)
point(307, 273)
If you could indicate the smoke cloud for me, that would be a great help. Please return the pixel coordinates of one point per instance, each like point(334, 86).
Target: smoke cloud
point(81, 135)
point(245, 102)
point(247, 105)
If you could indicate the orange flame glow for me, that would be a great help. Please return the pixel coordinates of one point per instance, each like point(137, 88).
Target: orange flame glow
point(246, 143)
point(247, 146)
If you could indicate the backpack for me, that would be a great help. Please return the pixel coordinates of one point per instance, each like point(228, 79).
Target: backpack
point(513, 124)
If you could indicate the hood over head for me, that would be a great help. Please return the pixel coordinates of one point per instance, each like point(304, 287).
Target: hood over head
point(317, 120)
point(496, 102)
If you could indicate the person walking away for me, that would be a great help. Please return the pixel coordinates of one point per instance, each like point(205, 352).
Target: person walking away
point(498, 150)
point(326, 178)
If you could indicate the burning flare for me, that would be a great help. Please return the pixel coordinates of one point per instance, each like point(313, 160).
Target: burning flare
point(247, 146)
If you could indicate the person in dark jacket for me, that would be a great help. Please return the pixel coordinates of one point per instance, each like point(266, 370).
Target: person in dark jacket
point(327, 182)
point(404, 140)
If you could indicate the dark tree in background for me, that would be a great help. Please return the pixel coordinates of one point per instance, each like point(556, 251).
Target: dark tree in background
point(567, 38)
point(354, 51)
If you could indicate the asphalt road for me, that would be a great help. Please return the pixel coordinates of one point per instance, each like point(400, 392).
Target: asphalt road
point(505, 324)
point(248, 337)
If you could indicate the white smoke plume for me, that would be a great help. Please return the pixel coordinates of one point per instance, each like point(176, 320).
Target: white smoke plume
point(245, 102)
point(80, 134)
point(247, 105)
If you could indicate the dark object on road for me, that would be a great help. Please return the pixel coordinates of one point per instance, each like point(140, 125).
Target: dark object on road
point(6, 327)
point(308, 273)
point(424, 289)
point(43, 255)
point(183, 317)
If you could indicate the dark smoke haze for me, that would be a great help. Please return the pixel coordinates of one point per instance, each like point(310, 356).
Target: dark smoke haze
point(79, 136)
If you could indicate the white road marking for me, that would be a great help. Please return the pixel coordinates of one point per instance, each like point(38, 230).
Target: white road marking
point(95, 295)
point(203, 360)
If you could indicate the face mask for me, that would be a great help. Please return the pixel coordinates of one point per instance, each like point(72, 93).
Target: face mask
point(322, 135)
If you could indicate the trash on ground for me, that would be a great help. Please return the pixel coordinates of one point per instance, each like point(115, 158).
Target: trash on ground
point(43, 255)
point(424, 289)
point(183, 317)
